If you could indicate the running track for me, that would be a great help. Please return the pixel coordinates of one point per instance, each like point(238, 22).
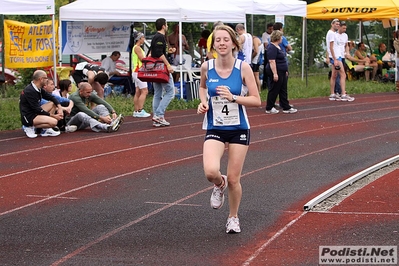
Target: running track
point(139, 196)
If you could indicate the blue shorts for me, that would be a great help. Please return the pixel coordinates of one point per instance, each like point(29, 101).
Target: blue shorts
point(230, 136)
point(332, 60)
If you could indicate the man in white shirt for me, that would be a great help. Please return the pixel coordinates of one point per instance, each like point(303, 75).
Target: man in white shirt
point(266, 34)
point(336, 44)
point(246, 42)
point(109, 64)
point(266, 41)
point(116, 78)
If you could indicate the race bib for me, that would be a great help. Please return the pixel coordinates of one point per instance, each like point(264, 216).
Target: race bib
point(225, 113)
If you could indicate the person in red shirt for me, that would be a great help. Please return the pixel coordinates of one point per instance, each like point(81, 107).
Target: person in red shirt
point(202, 44)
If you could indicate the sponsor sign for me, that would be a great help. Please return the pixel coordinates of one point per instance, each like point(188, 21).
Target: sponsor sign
point(28, 45)
point(349, 10)
point(84, 37)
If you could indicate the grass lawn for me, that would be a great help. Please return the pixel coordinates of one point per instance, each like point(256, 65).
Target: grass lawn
point(310, 87)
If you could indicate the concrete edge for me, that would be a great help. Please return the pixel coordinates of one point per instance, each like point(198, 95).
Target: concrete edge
point(349, 181)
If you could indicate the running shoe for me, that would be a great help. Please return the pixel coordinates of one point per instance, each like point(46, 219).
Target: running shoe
point(233, 225)
point(156, 124)
point(290, 111)
point(49, 132)
point(29, 131)
point(278, 105)
point(160, 120)
point(142, 113)
point(217, 197)
point(272, 111)
point(334, 97)
point(70, 128)
point(347, 98)
point(117, 122)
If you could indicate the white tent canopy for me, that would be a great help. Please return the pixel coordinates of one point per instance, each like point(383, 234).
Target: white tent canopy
point(26, 7)
point(267, 7)
point(280, 7)
point(150, 10)
point(296, 8)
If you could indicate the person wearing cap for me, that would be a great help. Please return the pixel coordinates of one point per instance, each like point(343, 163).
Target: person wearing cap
point(141, 87)
point(336, 44)
point(116, 77)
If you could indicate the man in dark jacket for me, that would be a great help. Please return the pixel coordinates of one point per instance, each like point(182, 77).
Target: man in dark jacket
point(34, 115)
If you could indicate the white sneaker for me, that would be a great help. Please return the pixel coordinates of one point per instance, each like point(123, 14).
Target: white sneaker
point(29, 131)
point(160, 120)
point(347, 98)
point(49, 132)
point(117, 122)
point(233, 225)
point(142, 113)
point(334, 97)
point(217, 197)
point(290, 111)
point(272, 111)
point(70, 128)
point(156, 124)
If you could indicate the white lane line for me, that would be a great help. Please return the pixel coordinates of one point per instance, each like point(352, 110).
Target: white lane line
point(97, 155)
point(97, 183)
point(123, 227)
point(195, 136)
point(41, 196)
point(75, 142)
point(288, 225)
point(251, 258)
point(358, 213)
point(168, 206)
point(184, 159)
point(167, 203)
point(251, 116)
point(274, 237)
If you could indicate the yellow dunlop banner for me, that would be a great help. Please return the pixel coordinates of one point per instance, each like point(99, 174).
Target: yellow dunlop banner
point(29, 45)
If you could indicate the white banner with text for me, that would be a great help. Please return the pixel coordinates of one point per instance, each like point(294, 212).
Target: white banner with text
point(83, 37)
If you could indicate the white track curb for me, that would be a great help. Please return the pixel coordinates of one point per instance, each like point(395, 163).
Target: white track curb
point(308, 206)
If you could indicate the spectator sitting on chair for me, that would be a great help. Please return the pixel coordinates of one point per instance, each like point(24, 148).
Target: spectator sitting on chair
point(93, 74)
point(97, 118)
point(116, 78)
point(379, 53)
point(363, 59)
point(352, 48)
point(357, 65)
point(34, 115)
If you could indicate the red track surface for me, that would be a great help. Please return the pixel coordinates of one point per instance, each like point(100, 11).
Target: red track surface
point(39, 177)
